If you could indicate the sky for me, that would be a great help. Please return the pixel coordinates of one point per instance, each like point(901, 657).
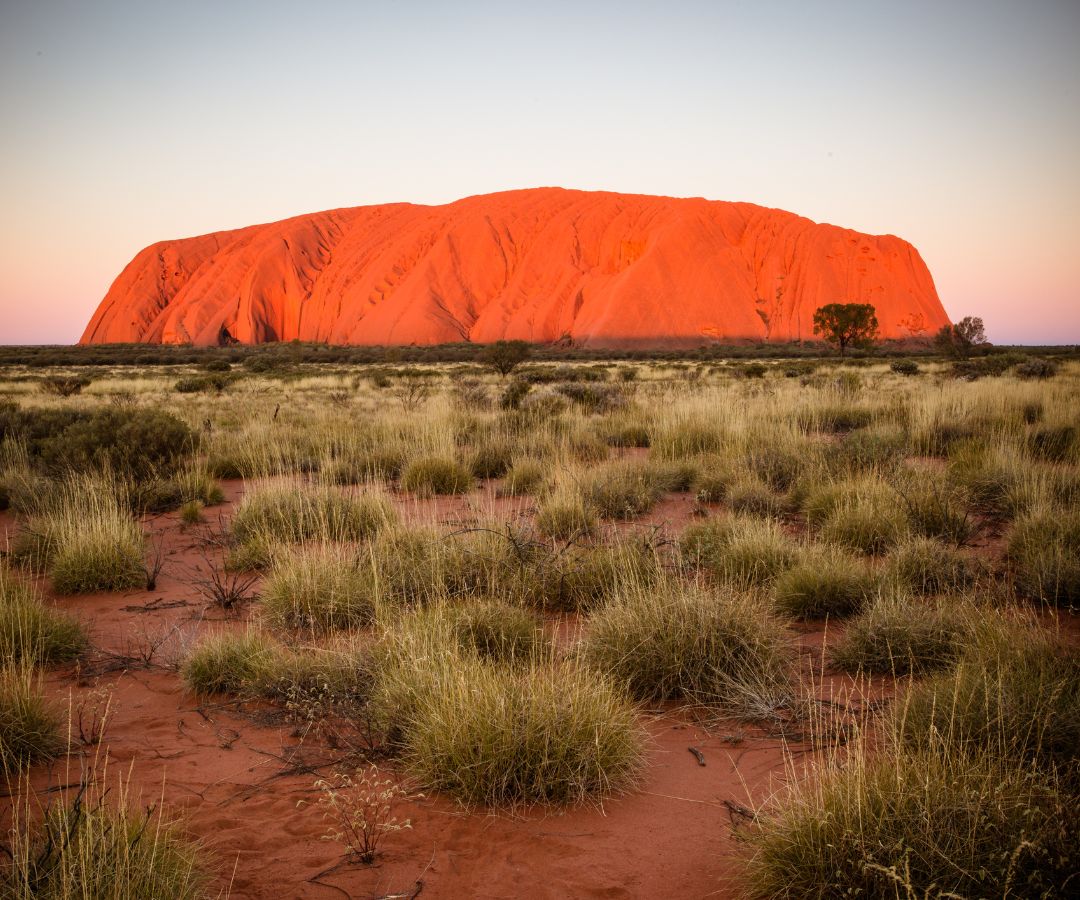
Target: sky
point(954, 125)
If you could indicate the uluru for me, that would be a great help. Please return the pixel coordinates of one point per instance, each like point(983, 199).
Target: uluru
point(546, 264)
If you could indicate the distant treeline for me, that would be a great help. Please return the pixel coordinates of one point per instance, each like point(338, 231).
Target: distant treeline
point(266, 357)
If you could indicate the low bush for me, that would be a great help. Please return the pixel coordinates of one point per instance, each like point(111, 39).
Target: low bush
point(824, 584)
point(878, 447)
point(1054, 443)
point(753, 497)
point(565, 515)
point(689, 438)
point(675, 641)
point(319, 586)
point(201, 384)
point(905, 367)
point(900, 636)
point(491, 460)
point(431, 476)
point(29, 729)
point(936, 509)
point(866, 523)
point(836, 418)
point(1044, 552)
point(1037, 369)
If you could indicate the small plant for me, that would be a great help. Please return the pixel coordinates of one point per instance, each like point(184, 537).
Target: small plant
point(411, 391)
point(360, 808)
point(225, 588)
point(751, 496)
point(739, 550)
point(624, 490)
point(1038, 369)
point(907, 367)
point(191, 513)
point(865, 523)
point(431, 476)
point(63, 385)
point(1054, 443)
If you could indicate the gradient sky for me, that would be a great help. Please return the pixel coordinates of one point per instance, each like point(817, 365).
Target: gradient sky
point(955, 125)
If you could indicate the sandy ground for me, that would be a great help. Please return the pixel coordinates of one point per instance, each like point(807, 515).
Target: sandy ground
point(245, 786)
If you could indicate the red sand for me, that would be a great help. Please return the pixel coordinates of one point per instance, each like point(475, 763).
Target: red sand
point(547, 264)
point(672, 836)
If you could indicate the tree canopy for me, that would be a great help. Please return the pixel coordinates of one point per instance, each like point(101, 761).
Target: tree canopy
point(959, 339)
point(846, 324)
point(505, 356)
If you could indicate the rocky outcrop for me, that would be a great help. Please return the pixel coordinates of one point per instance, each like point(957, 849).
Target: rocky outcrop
point(600, 269)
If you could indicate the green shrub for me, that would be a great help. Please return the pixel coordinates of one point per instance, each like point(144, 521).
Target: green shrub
point(430, 476)
point(869, 524)
point(681, 642)
point(877, 447)
point(136, 442)
point(905, 367)
point(319, 586)
point(32, 632)
point(753, 497)
point(837, 418)
point(491, 629)
point(200, 384)
point(935, 509)
point(824, 584)
point(491, 460)
point(1044, 551)
point(689, 438)
point(1037, 369)
point(228, 662)
point(29, 730)
point(897, 635)
point(714, 481)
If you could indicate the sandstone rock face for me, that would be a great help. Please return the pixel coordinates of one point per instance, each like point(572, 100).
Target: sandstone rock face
point(600, 269)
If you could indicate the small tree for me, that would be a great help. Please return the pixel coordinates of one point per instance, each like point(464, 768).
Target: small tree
point(959, 339)
point(846, 324)
point(505, 356)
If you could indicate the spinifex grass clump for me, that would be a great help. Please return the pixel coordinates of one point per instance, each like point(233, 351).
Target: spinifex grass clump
point(868, 524)
point(526, 477)
point(86, 539)
point(742, 551)
point(29, 729)
point(430, 476)
point(824, 583)
point(486, 732)
point(676, 641)
point(319, 586)
point(294, 512)
point(902, 635)
point(916, 823)
point(1044, 551)
point(491, 629)
point(623, 490)
point(927, 566)
point(566, 514)
point(1015, 692)
point(227, 662)
point(31, 631)
point(98, 842)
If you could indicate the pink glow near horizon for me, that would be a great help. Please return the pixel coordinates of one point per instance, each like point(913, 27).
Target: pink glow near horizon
point(953, 126)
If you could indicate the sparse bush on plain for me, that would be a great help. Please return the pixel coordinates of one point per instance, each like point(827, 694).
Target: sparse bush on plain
point(431, 476)
point(1044, 551)
point(824, 584)
point(740, 550)
point(228, 662)
point(29, 728)
point(32, 632)
point(319, 586)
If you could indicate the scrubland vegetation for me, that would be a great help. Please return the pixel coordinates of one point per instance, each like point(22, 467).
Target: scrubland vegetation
point(495, 579)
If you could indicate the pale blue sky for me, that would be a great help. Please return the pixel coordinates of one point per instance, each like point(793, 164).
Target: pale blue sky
point(955, 125)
